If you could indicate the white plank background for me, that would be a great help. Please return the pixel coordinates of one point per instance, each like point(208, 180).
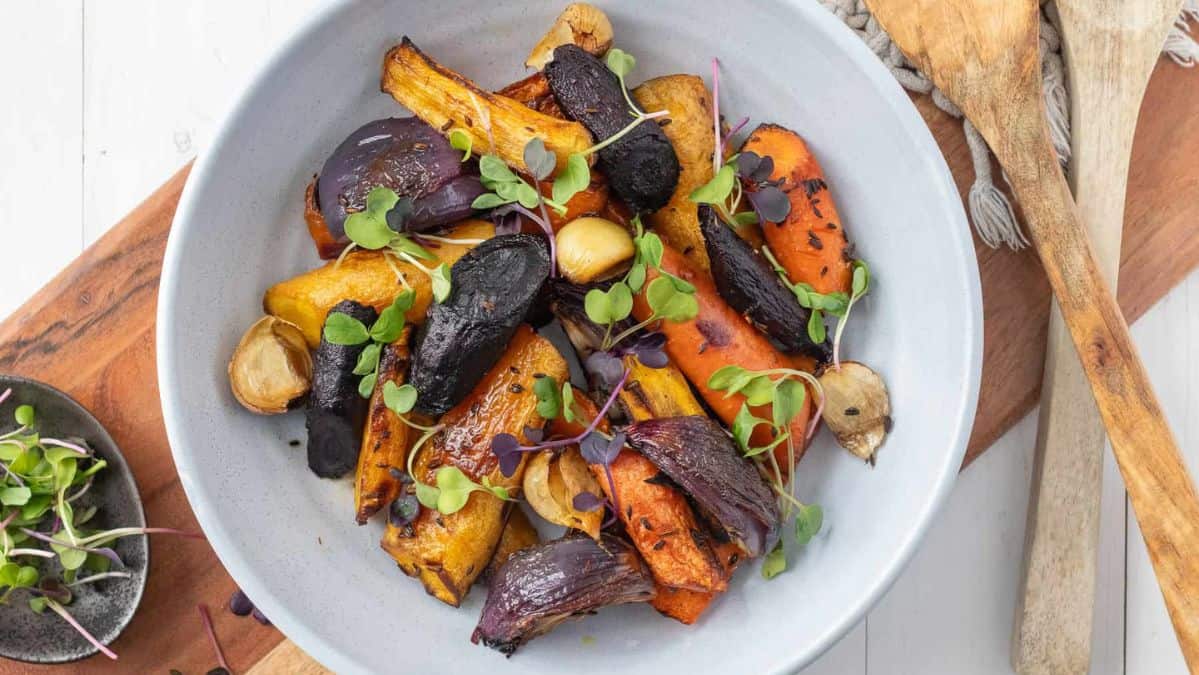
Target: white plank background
point(105, 98)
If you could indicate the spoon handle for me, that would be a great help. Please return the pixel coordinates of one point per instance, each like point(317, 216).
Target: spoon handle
point(1159, 487)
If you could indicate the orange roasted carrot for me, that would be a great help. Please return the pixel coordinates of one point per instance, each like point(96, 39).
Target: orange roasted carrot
point(718, 336)
point(685, 605)
point(811, 243)
point(656, 516)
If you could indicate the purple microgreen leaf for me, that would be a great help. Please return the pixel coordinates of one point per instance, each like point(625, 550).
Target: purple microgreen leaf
point(587, 501)
point(239, 603)
point(506, 219)
point(770, 203)
point(724, 145)
point(534, 434)
point(648, 348)
point(507, 449)
point(403, 510)
point(604, 366)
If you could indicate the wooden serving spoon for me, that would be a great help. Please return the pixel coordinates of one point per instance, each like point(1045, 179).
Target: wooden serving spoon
point(983, 54)
point(1111, 47)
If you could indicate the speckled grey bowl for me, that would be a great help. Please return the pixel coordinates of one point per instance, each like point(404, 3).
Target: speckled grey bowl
point(103, 608)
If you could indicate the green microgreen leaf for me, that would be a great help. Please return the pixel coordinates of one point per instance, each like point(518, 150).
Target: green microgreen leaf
point(366, 386)
point(717, 190)
point(620, 62)
point(808, 521)
point(399, 398)
point(488, 200)
point(343, 329)
point(493, 171)
point(726, 377)
point(816, 328)
point(461, 140)
point(743, 427)
point(368, 360)
point(15, 496)
point(38, 604)
point(427, 495)
point(549, 400)
point(368, 228)
point(775, 562)
point(442, 284)
point(390, 324)
point(668, 302)
point(573, 179)
point(402, 244)
point(568, 402)
point(788, 401)
point(745, 218)
point(454, 487)
point(25, 415)
point(759, 391)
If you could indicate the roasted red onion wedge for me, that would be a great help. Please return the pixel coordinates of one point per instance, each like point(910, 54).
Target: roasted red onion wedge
point(407, 156)
point(541, 586)
point(696, 453)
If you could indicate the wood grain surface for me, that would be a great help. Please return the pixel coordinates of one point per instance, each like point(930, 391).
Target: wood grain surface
point(1111, 47)
point(91, 332)
point(984, 55)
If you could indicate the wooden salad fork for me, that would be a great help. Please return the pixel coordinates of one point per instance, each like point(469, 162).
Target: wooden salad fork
point(983, 54)
point(1111, 47)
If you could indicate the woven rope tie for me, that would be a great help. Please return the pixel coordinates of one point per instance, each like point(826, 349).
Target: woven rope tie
point(990, 210)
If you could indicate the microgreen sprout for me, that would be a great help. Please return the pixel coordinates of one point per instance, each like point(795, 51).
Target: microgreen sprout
point(43, 478)
point(206, 620)
point(460, 139)
point(837, 304)
point(785, 391)
point(369, 229)
point(451, 487)
point(669, 297)
point(343, 329)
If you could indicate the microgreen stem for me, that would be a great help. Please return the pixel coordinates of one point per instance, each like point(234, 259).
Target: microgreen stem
point(82, 451)
point(447, 240)
point(100, 577)
point(411, 259)
point(66, 616)
point(66, 522)
point(623, 132)
point(78, 546)
point(429, 433)
point(9, 473)
point(785, 495)
point(30, 551)
point(344, 252)
point(837, 337)
point(398, 272)
point(418, 427)
point(626, 333)
point(790, 472)
point(549, 232)
point(111, 535)
point(216, 645)
point(4, 396)
point(82, 491)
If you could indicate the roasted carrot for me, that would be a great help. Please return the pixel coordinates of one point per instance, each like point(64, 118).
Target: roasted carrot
point(718, 336)
point(534, 92)
point(656, 516)
point(811, 243)
point(385, 441)
point(685, 605)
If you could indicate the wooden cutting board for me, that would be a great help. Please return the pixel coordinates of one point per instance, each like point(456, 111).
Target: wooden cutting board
point(90, 332)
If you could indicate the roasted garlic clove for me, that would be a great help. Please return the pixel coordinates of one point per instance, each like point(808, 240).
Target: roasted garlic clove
point(857, 408)
point(579, 24)
point(551, 482)
point(592, 248)
point(271, 368)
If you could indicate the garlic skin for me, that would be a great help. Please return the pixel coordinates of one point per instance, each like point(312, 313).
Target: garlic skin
point(580, 24)
point(857, 408)
point(592, 248)
point(271, 368)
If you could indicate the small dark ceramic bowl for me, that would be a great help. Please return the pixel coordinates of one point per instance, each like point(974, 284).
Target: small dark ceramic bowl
point(103, 608)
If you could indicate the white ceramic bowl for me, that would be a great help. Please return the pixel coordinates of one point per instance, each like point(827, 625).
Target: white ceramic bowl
point(288, 538)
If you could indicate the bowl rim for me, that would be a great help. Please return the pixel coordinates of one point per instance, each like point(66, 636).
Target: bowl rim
point(334, 656)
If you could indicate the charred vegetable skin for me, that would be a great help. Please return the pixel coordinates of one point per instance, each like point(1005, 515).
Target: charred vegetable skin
point(494, 286)
point(542, 586)
point(749, 284)
point(696, 453)
point(405, 155)
point(336, 412)
point(641, 167)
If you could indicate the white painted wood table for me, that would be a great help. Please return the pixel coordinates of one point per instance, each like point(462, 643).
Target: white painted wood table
point(103, 99)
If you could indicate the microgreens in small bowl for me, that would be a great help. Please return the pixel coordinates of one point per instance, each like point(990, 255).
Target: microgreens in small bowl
point(49, 547)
